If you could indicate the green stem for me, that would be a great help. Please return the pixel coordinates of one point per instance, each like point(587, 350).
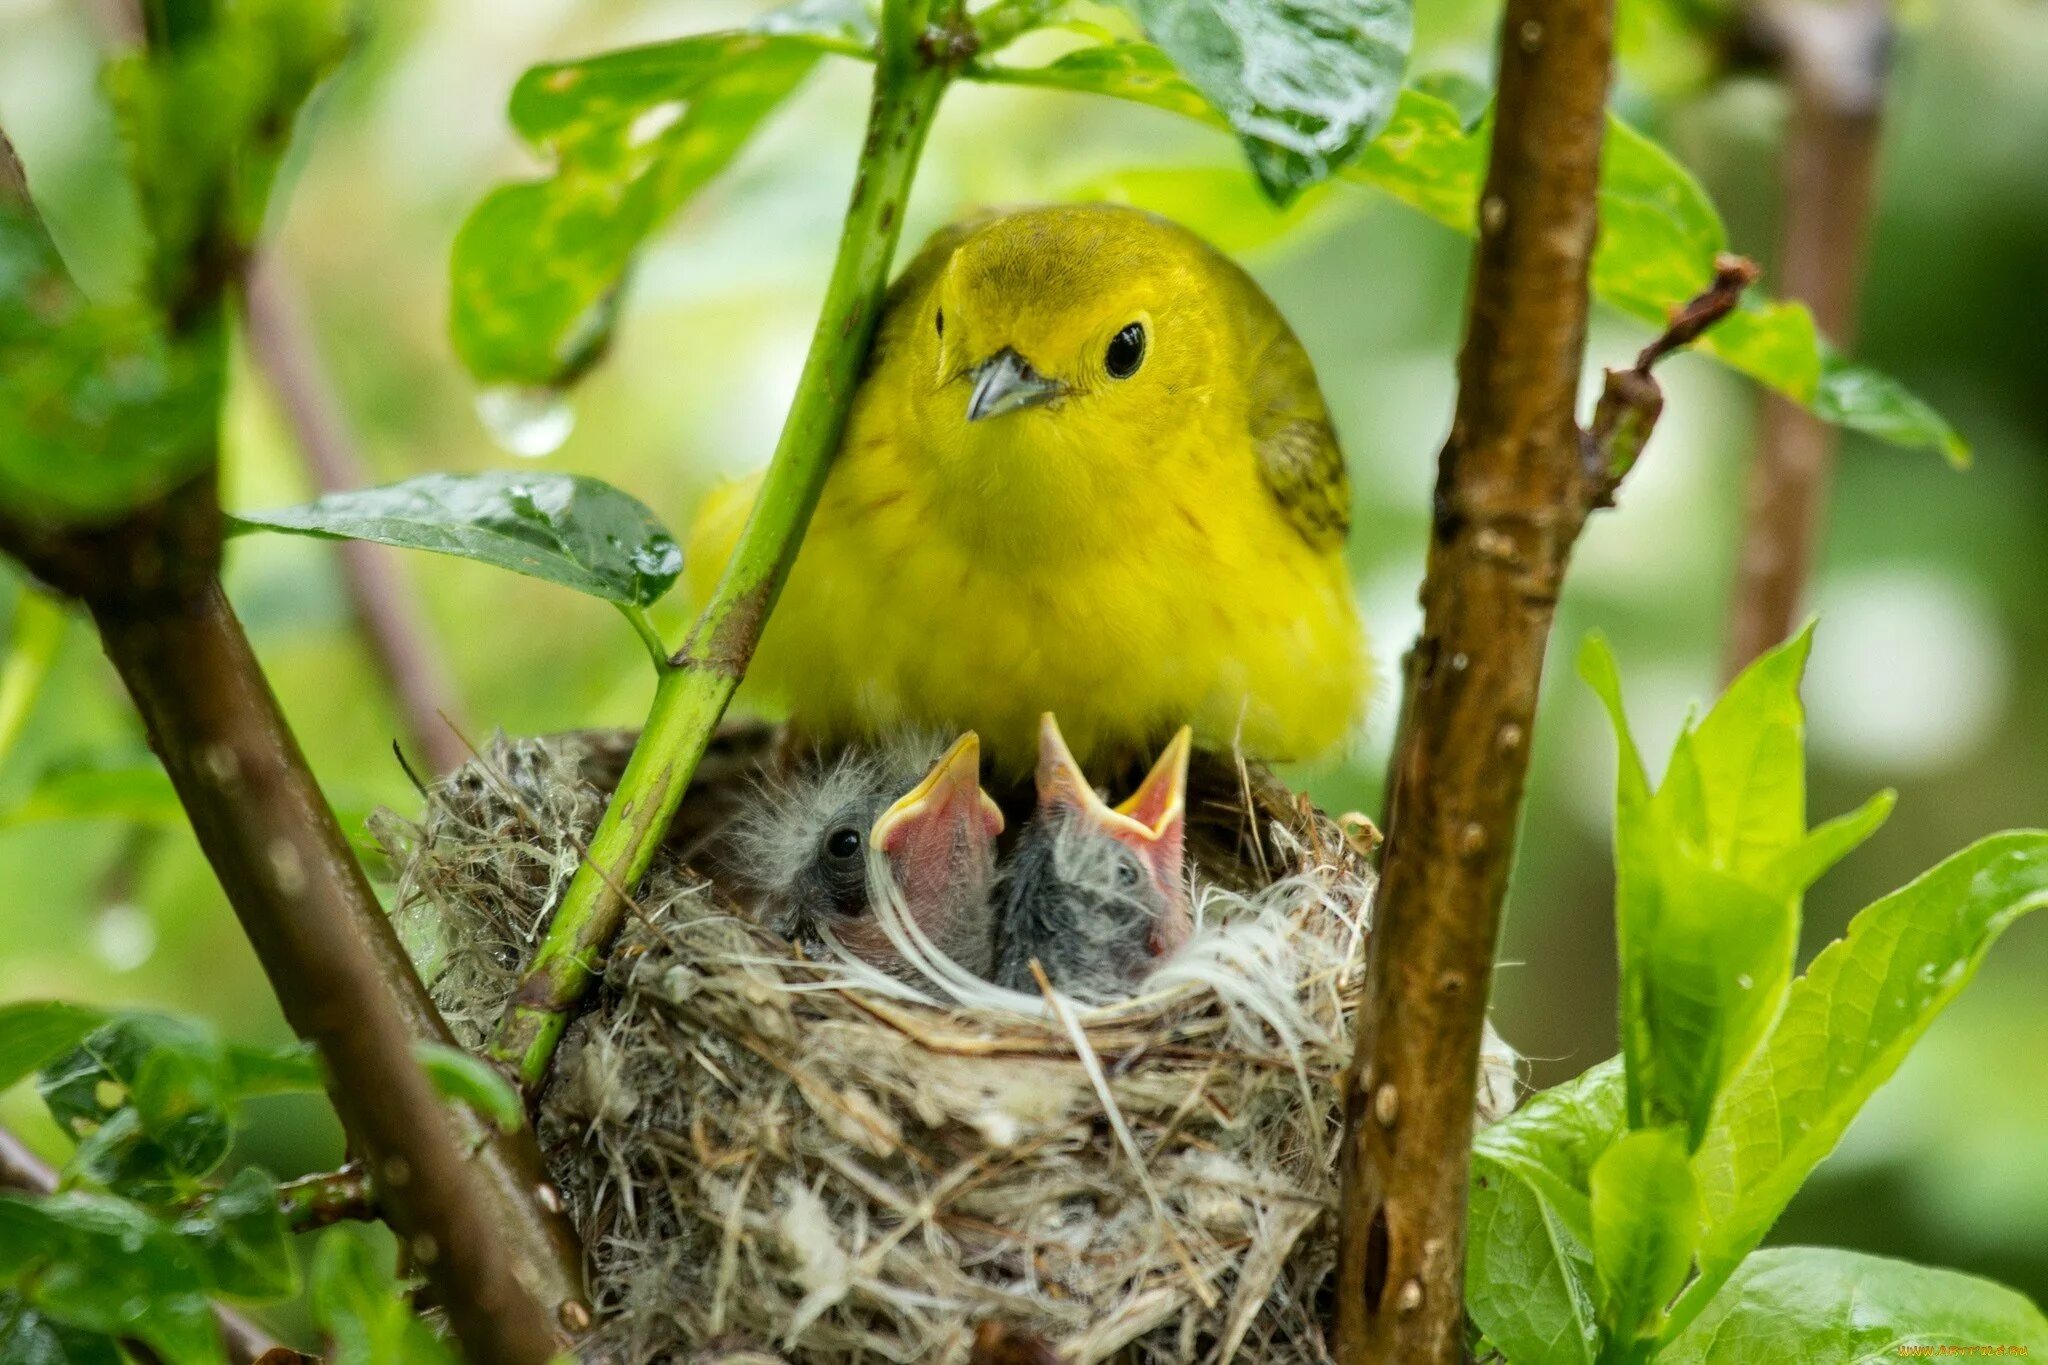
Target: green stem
point(39, 622)
point(915, 67)
point(643, 626)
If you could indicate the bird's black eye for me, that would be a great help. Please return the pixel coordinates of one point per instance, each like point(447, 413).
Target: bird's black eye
point(1128, 874)
point(843, 842)
point(1126, 352)
point(939, 322)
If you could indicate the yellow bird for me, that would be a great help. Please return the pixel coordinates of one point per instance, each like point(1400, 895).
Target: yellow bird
point(1088, 471)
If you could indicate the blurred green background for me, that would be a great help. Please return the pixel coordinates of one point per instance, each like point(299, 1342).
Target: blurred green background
point(1931, 655)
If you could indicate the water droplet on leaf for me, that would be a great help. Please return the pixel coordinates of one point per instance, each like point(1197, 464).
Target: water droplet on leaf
point(528, 422)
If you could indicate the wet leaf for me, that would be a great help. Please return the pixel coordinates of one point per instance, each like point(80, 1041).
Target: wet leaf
point(565, 528)
point(1304, 83)
point(633, 136)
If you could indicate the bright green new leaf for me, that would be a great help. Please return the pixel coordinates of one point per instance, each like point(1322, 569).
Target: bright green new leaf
point(34, 1031)
point(633, 136)
point(1304, 84)
point(1710, 871)
point(1809, 1303)
point(566, 528)
point(1659, 233)
point(1529, 1270)
point(1846, 1026)
point(241, 1241)
point(363, 1309)
point(1646, 1222)
point(467, 1078)
point(29, 1338)
point(104, 1265)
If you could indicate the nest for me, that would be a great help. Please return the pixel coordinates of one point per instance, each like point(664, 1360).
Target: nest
point(772, 1153)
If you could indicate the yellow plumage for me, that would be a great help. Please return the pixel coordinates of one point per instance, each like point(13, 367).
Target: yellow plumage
point(1131, 553)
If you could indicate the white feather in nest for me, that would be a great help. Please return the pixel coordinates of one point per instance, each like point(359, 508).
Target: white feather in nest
point(822, 1158)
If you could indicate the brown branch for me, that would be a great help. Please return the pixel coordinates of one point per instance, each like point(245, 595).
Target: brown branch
point(1834, 58)
point(464, 1201)
point(400, 644)
point(22, 1169)
point(469, 1201)
point(1513, 491)
point(318, 1201)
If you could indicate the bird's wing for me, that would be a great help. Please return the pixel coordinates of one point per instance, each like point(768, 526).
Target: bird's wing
point(1297, 450)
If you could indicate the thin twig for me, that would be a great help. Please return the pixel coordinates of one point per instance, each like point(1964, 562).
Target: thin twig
point(386, 611)
point(1631, 399)
point(1834, 58)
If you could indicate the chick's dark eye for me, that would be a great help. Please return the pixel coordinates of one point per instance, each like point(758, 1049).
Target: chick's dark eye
point(843, 842)
point(939, 322)
point(1126, 352)
point(1128, 875)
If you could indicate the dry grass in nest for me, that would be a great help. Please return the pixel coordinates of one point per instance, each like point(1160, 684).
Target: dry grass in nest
point(798, 1156)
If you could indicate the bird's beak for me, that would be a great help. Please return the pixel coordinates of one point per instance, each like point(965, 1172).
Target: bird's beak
point(1152, 823)
point(924, 833)
point(1005, 382)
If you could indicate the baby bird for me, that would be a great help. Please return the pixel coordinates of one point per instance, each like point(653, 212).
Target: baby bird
point(1088, 470)
point(820, 849)
point(1097, 896)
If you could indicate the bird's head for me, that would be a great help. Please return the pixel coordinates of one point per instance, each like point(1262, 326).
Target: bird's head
point(937, 841)
point(1064, 348)
point(820, 846)
point(1142, 839)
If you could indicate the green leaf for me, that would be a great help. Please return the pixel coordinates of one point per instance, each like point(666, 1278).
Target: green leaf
point(1305, 84)
point(1529, 1269)
point(144, 1097)
point(469, 1079)
point(293, 1069)
point(240, 1238)
point(363, 1309)
point(29, 1338)
point(1847, 1024)
point(1659, 233)
point(206, 121)
point(634, 135)
point(138, 793)
point(565, 528)
point(1710, 871)
point(1806, 1303)
point(103, 1265)
point(34, 1031)
point(98, 411)
point(1646, 1222)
